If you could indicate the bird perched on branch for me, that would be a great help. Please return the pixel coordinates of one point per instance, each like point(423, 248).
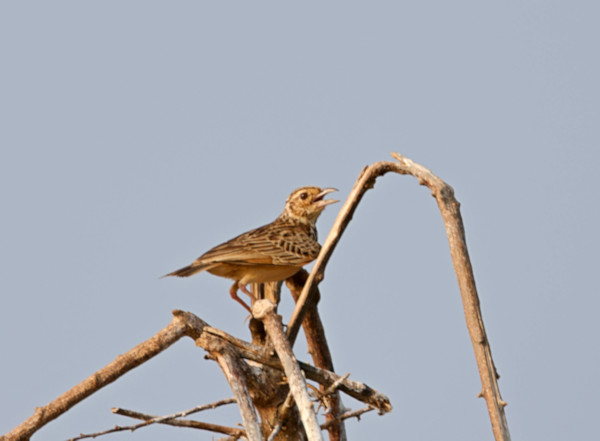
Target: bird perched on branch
point(269, 253)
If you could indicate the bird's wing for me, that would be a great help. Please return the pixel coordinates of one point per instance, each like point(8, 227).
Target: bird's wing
point(272, 244)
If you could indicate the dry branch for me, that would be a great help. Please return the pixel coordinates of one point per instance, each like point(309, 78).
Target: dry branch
point(450, 211)
point(365, 181)
point(182, 324)
point(318, 348)
point(169, 420)
point(231, 365)
point(182, 414)
point(283, 413)
point(355, 389)
point(265, 310)
point(325, 377)
point(149, 419)
point(352, 414)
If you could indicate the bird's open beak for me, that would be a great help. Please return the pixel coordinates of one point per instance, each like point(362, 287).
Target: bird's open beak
point(320, 202)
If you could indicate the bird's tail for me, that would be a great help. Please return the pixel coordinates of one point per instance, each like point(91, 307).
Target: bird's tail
point(187, 271)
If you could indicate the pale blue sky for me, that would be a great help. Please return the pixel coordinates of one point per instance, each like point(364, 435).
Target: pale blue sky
point(138, 134)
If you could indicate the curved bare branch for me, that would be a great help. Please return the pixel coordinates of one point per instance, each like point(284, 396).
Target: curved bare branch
point(450, 211)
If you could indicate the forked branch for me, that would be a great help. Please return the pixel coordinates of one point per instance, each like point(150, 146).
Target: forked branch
point(187, 324)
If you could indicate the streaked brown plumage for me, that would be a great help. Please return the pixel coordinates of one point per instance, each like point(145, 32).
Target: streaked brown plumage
point(269, 253)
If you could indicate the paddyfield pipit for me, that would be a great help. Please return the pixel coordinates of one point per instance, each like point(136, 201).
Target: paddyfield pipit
point(269, 253)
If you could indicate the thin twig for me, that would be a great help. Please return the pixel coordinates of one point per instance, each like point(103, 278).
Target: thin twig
point(184, 413)
point(331, 389)
point(232, 431)
point(324, 396)
point(169, 420)
point(345, 416)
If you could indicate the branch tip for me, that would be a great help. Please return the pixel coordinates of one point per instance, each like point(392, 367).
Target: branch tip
point(262, 308)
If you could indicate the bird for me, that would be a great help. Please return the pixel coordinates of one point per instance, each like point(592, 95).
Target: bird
point(271, 253)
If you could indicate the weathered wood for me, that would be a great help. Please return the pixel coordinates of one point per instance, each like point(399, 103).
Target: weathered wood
point(265, 310)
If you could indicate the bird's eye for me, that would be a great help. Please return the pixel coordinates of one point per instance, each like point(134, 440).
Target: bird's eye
point(303, 195)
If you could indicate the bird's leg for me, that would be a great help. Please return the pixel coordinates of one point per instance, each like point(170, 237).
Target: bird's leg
point(250, 294)
point(234, 296)
point(245, 291)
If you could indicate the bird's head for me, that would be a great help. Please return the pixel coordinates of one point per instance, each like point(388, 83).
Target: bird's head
point(305, 204)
